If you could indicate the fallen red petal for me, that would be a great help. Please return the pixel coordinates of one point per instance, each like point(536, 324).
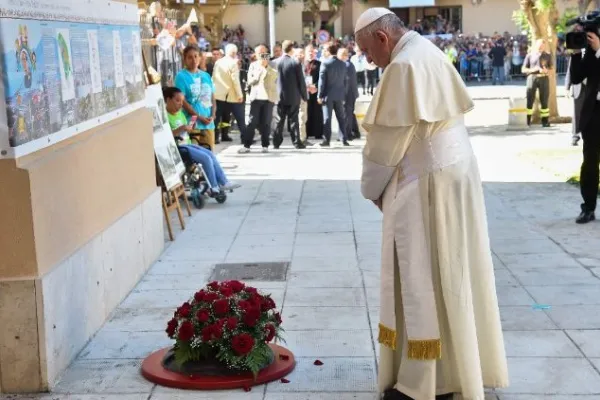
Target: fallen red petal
point(283, 380)
point(284, 357)
point(247, 388)
point(318, 362)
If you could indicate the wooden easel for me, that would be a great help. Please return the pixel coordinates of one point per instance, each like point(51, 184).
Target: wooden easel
point(170, 198)
point(170, 202)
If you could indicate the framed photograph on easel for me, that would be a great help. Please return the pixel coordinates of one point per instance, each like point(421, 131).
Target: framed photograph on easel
point(167, 155)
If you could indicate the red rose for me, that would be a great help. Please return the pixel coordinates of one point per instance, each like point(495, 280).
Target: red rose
point(251, 317)
point(214, 285)
point(221, 307)
point(277, 318)
point(270, 332)
point(203, 315)
point(186, 331)
point(206, 333)
point(242, 344)
point(267, 304)
point(256, 300)
point(210, 297)
point(185, 310)
point(199, 296)
point(236, 286)
point(210, 332)
point(244, 305)
point(171, 328)
point(231, 323)
point(251, 290)
point(226, 291)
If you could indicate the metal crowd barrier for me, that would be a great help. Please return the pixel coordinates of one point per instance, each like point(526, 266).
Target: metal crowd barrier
point(476, 71)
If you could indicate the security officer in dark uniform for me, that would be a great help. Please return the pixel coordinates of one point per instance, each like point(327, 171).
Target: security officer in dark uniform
point(587, 67)
point(536, 66)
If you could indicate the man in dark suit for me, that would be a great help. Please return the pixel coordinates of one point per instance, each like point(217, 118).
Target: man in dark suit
point(292, 90)
point(351, 96)
point(314, 111)
point(588, 67)
point(333, 79)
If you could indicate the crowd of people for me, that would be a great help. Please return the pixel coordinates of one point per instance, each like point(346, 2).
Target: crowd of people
point(294, 89)
point(498, 57)
point(298, 88)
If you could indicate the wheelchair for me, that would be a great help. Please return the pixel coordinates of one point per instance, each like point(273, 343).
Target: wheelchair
point(194, 180)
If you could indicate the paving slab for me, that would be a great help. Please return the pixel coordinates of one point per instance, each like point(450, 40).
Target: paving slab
point(305, 207)
point(522, 318)
point(552, 376)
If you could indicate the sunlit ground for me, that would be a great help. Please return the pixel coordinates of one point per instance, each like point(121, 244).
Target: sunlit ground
point(537, 155)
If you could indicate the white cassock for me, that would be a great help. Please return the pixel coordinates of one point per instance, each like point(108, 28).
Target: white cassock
point(439, 321)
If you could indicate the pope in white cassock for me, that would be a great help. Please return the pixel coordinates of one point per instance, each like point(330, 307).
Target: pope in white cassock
point(439, 328)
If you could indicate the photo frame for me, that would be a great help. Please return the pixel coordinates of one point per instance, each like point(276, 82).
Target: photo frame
point(167, 155)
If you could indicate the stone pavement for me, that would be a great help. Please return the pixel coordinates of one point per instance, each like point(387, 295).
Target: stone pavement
point(305, 207)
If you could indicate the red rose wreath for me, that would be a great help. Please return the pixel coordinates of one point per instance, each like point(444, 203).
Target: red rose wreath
point(229, 321)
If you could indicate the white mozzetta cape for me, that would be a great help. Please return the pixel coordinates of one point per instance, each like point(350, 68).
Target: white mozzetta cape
point(419, 85)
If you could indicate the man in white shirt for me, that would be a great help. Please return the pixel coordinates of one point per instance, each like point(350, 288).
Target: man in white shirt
point(360, 64)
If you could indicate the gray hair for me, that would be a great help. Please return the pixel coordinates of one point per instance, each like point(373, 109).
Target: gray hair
point(390, 24)
point(231, 50)
point(260, 47)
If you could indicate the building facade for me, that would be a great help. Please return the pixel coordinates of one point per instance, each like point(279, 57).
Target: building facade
point(292, 22)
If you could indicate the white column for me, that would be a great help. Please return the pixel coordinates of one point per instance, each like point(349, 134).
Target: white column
point(272, 25)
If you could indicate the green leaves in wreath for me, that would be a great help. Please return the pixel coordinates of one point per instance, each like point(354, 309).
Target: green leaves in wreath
point(184, 352)
point(258, 358)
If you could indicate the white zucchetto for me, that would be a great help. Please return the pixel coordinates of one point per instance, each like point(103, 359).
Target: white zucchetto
point(370, 16)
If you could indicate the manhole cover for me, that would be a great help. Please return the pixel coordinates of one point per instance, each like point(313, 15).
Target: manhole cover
point(258, 271)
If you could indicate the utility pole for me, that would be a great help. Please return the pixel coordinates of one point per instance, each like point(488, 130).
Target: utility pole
point(272, 26)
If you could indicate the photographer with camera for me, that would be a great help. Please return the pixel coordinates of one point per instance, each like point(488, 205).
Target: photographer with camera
point(262, 81)
point(537, 66)
point(587, 68)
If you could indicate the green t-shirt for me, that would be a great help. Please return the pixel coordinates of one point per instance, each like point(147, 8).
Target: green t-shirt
point(177, 120)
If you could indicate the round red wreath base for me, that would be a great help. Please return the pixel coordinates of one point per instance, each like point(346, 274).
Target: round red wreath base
point(153, 371)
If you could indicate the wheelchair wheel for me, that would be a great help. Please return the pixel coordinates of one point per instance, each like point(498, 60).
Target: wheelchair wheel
point(198, 199)
point(221, 198)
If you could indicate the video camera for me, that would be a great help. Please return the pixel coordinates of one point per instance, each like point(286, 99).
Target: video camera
point(590, 23)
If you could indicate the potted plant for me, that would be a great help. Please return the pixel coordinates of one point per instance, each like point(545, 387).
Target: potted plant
point(223, 329)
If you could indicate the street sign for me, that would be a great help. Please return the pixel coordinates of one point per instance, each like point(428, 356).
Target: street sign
point(323, 36)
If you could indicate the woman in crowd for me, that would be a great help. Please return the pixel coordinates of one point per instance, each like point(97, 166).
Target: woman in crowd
point(180, 126)
point(198, 91)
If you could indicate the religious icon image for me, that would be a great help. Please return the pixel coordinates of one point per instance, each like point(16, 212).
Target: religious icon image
point(24, 60)
point(33, 61)
point(65, 64)
point(64, 52)
point(23, 56)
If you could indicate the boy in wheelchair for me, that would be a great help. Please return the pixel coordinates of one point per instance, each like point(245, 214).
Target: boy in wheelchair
point(190, 153)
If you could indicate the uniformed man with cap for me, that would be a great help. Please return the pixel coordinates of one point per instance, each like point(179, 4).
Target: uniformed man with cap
point(537, 66)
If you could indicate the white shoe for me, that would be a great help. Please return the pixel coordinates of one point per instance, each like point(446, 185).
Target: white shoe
point(265, 149)
point(244, 150)
point(230, 186)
